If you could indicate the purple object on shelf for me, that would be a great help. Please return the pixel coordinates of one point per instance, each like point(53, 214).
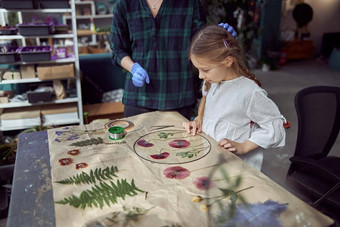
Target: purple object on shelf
point(35, 53)
point(8, 55)
point(9, 31)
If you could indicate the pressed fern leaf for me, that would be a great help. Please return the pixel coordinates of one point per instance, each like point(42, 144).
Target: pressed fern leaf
point(84, 178)
point(102, 193)
point(88, 142)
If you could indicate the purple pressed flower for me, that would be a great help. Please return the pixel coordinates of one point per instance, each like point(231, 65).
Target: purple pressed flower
point(73, 137)
point(160, 156)
point(144, 143)
point(176, 172)
point(179, 143)
point(203, 183)
point(59, 133)
point(57, 140)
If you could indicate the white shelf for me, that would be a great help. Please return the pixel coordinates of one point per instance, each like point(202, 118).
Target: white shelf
point(29, 80)
point(26, 103)
point(63, 60)
point(91, 16)
point(37, 10)
point(62, 122)
point(56, 36)
point(83, 2)
point(72, 59)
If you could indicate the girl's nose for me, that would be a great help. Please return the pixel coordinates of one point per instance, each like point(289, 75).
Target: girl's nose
point(201, 76)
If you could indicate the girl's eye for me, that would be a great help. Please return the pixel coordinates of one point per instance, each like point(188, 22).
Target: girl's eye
point(205, 70)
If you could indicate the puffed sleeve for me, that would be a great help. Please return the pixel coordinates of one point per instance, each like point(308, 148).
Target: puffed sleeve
point(119, 36)
point(268, 130)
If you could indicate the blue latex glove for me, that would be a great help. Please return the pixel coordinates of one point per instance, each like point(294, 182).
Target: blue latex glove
point(139, 75)
point(229, 28)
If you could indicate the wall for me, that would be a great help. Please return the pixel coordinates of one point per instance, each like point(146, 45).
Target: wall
point(325, 19)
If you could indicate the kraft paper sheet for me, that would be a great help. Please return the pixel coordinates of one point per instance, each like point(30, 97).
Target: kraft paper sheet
point(168, 202)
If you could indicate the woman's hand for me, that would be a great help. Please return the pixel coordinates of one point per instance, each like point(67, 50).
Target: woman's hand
point(237, 148)
point(139, 75)
point(192, 127)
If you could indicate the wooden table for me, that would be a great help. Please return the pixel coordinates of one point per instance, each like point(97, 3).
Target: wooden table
point(166, 183)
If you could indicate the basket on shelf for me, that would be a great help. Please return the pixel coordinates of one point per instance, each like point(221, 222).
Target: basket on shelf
point(35, 53)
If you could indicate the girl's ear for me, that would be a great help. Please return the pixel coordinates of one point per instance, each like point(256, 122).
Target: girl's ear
point(229, 61)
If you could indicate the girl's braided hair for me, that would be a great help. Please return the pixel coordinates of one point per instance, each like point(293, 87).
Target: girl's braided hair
point(216, 44)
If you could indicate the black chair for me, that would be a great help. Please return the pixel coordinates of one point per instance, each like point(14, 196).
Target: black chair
point(312, 170)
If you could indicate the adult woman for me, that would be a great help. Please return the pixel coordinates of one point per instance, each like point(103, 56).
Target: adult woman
point(151, 39)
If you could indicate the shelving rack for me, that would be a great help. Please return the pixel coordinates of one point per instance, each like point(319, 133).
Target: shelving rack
point(99, 20)
point(74, 60)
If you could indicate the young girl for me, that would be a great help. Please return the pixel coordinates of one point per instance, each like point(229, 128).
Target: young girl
point(234, 109)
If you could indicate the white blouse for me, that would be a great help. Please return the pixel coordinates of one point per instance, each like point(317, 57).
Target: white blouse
point(231, 106)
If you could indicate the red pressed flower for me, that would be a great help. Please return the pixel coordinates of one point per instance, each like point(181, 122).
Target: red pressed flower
point(176, 172)
point(144, 143)
point(179, 143)
point(160, 156)
point(81, 165)
point(74, 152)
point(65, 161)
point(203, 183)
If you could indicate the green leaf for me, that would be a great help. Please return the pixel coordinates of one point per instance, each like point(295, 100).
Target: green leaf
point(102, 193)
point(227, 192)
point(233, 198)
point(225, 175)
point(84, 178)
point(88, 142)
point(238, 181)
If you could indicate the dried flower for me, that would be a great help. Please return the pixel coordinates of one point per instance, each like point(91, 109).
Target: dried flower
point(203, 183)
point(205, 207)
point(179, 143)
point(197, 199)
point(176, 172)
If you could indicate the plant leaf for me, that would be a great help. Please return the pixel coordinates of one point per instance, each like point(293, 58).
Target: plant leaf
point(84, 178)
point(102, 193)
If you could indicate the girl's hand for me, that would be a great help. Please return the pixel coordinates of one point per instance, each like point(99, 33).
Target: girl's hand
point(237, 148)
point(192, 127)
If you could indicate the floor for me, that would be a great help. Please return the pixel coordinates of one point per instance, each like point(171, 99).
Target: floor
point(282, 86)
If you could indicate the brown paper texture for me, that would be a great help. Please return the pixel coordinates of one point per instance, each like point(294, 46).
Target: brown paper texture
point(166, 201)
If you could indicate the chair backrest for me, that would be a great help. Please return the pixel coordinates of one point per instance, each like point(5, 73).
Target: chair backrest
point(318, 112)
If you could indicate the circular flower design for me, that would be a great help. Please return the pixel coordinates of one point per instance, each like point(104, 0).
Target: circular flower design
point(74, 152)
point(81, 165)
point(176, 172)
point(203, 183)
point(179, 143)
point(65, 161)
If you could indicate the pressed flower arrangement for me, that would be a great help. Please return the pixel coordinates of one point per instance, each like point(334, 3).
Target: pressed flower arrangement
point(171, 147)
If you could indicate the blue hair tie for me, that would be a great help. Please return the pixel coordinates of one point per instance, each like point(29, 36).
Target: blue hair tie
point(229, 28)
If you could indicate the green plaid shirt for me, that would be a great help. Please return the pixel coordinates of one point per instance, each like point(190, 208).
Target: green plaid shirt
point(160, 45)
